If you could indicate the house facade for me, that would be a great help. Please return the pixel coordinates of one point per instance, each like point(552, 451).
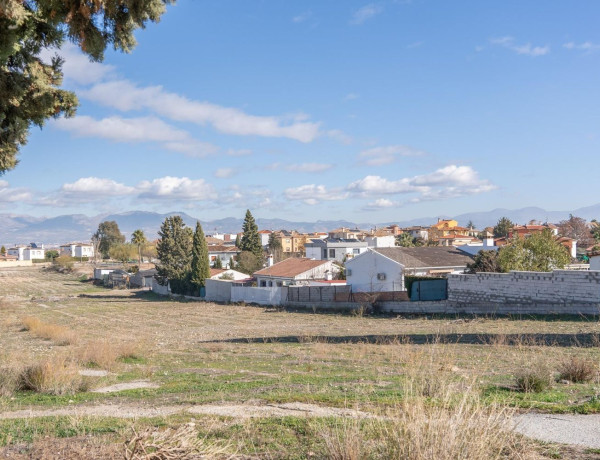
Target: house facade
point(31, 252)
point(222, 252)
point(295, 271)
point(77, 250)
point(337, 249)
point(384, 269)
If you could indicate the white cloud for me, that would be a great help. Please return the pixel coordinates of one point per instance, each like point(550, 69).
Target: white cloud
point(96, 186)
point(143, 129)
point(176, 188)
point(350, 97)
point(224, 173)
point(119, 129)
point(380, 203)
point(238, 152)
point(448, 182)
point(302, 167)
point(378, 156)
point(587, 47)
point(365, 13)
point(526, 49)
point(411, 46)
point(126, 96)
point(340, 136)
point(312, 194)
point(77, 66)
point(13, 195)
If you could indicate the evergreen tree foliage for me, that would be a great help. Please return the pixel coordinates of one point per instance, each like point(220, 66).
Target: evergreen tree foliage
point(405, 240)
point(250, 242)
point(231, 263)
point(200, 264)
point(218, 263)
point(108, 235)
point(238, 241)
point(503, 227)
point(30, 90)
point(485, 261)
point(174, 250)
point(3, 251)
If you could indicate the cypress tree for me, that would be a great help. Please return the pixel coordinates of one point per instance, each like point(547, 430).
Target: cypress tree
point(218, 263)
point(200, 263)
point(174, 251)
point(251, 240)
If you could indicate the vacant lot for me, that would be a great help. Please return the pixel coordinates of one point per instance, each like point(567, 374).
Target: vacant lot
point(217, 365)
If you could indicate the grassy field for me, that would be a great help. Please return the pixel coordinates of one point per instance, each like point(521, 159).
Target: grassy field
point(235, 358)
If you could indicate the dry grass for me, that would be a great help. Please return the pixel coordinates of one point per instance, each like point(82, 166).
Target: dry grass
point(577, 370)
point(458, 425)
point(57, 375)
point(105, 354)
point(60, 335)
point(182, 444)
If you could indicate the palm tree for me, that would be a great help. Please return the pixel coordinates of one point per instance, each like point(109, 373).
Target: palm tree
point(139, 239)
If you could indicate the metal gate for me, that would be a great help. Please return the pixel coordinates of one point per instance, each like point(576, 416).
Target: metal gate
point(436, 289)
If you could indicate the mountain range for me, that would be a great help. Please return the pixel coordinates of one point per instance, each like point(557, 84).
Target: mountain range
point(22, 229)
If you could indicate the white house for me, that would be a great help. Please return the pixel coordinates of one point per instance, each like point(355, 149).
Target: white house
point(294, 271)
point(30, 252)
point(223, 252)
point(417, 232)
point(334, 249)
point(77, 250)
point(380, 241)
point(486, 244)
point(384, 269)
point(264, 237)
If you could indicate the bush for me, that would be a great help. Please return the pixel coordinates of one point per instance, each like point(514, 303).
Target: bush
point(63, 264)
point(56, 376)
point(58, 334)
point(577, 370)
point(533, 380)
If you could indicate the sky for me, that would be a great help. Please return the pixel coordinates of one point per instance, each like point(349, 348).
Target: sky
point(321, 110)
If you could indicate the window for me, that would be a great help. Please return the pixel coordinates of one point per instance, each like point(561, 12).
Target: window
point(381, 276)
point(348, 272)
point(270, 283)
point(324, 253)
point(332, 253)
point(356, 251)
point(263, 283)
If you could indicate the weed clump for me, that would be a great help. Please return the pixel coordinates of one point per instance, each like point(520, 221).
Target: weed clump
point(55, 332)
point(533, 380)
point(56, 376)
point(577, 370)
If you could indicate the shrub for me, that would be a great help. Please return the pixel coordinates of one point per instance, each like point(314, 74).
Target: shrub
point(63, 264)
point(577, 370)
point(533, 380)
point(104, 354)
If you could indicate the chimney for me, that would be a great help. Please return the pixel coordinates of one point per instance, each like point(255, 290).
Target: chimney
point(270, 260)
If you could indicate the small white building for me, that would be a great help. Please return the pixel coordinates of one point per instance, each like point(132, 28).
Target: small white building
point(334, 249)
point(223, 252)
point(31, 252)
point(380, 241)
point(77, 250)
point(384, 269)
point(295, 271)
point(264, 237)
point(227, 274)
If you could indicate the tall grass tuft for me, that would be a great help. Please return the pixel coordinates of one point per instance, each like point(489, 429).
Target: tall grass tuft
point(55, 332)
point(105, 354)
point(56, 375)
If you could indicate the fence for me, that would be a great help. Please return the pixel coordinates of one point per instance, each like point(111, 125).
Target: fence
point(259, 295)
point(218, 291)
point(319, 294)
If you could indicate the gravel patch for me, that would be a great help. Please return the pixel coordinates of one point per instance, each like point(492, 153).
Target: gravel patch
point(126, 386)
point(574, 429)
point(93, 373)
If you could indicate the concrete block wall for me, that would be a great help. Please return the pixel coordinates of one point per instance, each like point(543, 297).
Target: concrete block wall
point(561, 291)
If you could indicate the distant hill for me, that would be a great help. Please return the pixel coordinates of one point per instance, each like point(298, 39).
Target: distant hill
point(24, 229)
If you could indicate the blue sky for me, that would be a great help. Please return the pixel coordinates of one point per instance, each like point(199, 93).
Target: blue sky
point(311, 110)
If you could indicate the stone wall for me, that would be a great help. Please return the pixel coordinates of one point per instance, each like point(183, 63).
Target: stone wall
point(561, 291)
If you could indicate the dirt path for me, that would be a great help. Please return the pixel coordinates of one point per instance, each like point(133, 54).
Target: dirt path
point(574, 429)
point(227, 410)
